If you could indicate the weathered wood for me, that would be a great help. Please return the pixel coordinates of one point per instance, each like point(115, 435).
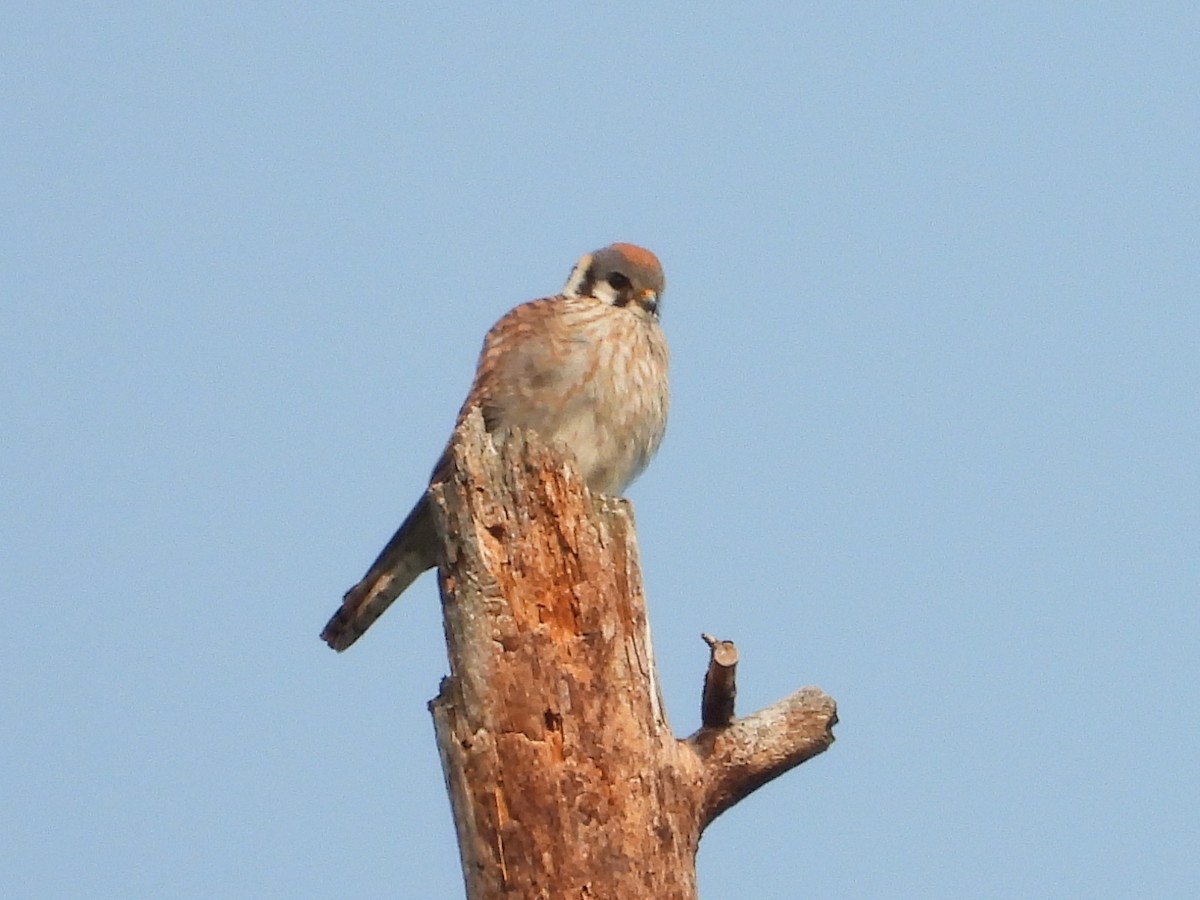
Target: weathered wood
point(738, 760)
point(564, 777)
point(720, 683)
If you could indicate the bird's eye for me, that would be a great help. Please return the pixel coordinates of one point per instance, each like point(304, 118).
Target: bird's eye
point(619, 282)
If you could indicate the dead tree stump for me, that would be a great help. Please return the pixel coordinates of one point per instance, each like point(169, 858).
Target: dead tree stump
point(564, 777)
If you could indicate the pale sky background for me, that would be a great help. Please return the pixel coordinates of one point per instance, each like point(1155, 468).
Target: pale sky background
point(934, 304)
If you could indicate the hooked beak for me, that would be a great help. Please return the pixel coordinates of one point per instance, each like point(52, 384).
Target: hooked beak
point(648, 300)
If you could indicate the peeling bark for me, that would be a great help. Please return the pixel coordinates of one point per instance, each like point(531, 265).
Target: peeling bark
point(564, 776)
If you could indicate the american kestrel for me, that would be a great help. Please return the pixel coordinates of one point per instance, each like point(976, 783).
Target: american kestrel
point(586, 369)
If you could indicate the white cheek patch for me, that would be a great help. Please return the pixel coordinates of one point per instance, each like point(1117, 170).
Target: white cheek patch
point(605, 292)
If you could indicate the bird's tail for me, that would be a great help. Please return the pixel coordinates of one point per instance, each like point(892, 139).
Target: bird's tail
point(411, 551)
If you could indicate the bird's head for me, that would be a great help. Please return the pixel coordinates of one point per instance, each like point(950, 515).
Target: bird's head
point(624, 275)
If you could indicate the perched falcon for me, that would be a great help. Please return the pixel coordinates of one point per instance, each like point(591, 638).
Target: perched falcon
point(586, 369)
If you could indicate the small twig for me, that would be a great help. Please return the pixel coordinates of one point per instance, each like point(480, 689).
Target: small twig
point(720, 683)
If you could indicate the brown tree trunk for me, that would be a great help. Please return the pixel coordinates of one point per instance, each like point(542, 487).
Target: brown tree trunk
point(564, 776)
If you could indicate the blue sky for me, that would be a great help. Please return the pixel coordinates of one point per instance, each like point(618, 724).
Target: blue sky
point(932, 299)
